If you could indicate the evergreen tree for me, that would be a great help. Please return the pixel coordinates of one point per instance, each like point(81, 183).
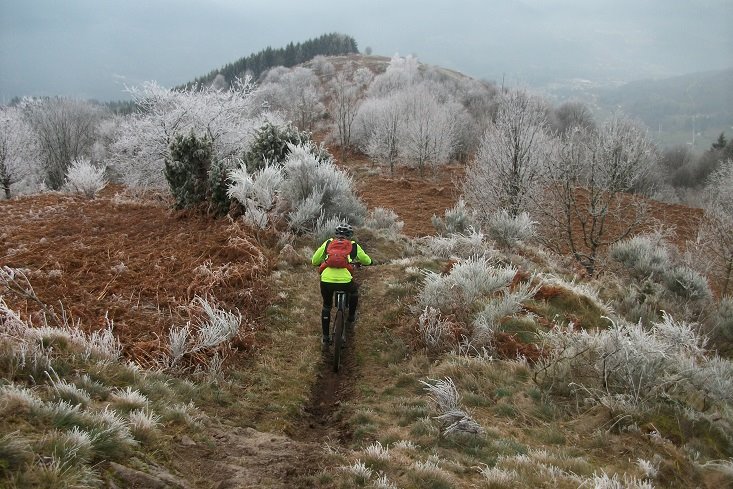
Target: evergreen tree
point(187, 170)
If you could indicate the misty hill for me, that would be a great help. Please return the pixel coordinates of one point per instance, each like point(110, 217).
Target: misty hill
point(293, 54)
point(690, 109)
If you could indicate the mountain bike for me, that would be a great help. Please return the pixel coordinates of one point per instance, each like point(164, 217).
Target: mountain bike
point(338, 333)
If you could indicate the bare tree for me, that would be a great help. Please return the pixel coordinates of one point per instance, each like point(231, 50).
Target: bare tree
point(295, 94)
point(64, 130)
point(510, 158)
point(588, 185)
point(15, 149)
point(345, 95)
point(428, 135)
point(381, 120)
point(717, 228)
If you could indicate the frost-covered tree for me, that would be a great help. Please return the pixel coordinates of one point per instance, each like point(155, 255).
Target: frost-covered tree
point(295, 94)
point(380, 122)
point(83, 177)
point(16, 149)
point(64, 130)
point(717, 229)
point(345, 96)
point(228, 118)
point(400, 73)
point(507, 169)
point(571, 114)
point(588, 182)
point(429, 134)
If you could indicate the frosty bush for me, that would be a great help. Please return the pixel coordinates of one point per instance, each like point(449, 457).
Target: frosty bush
point(85, 178)
point(457, 245)
point(648, 257)
point(628, 367)
point(305, 191)
point(643, 256)
point(446, 397)
point(467, 282)
point(258, 193)
point(325, 227)
point(385, 220)
point(508, 230)
point(721, 322)
point(435, 330)
point(687, 283)
point(309, 179)
point(457, 220)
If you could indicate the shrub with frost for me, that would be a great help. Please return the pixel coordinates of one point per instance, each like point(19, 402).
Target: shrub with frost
point(628, 366)
point(459, 219)
point(644, 256)
point(434, 330)
point(258, 192)
point(385, 220)
point(456, 245)
point(446, 398)
point(84, 177)
point(467, 281)
point(308, 189)
point(687, 283)
point(508, 230)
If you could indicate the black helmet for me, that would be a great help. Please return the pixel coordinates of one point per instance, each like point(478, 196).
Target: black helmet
point(344, 230)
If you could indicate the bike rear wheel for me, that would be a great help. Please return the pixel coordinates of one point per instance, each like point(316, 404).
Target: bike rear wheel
point(338, 336)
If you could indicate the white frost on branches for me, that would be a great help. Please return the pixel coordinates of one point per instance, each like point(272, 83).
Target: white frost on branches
point(228, 117)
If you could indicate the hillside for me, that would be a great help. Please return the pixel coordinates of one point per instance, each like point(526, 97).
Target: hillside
point(695, 107)
point(277, 416)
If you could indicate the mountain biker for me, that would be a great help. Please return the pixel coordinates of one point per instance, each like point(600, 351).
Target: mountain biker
point(336, 257)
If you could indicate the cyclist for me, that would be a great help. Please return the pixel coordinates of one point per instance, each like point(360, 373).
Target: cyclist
point(336, 258)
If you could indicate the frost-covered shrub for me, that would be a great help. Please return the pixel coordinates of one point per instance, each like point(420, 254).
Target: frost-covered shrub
point(721, 323)
point(457, 220)
point(385, 220)
point(452, 417)
point(508, 230)
point(486, 322)
point(85, 178)
point(648, 257)
point(305, 192)
point(468, 281)
point(642, 255)
point(325, 227)
point(313, 186)
point(457, 245)
point(258, 193)
point(627, 366)
point(435, 330)
point(687, 283)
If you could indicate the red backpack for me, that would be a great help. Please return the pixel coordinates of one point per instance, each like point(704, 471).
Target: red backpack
point(337, 255)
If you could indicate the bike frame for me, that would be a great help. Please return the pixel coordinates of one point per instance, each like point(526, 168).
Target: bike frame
point(339, 326)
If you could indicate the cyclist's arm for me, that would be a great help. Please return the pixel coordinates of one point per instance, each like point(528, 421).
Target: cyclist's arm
point(362, 257)
point(320, 254)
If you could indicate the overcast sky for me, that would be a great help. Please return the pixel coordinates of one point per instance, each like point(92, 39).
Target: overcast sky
point(92, 48)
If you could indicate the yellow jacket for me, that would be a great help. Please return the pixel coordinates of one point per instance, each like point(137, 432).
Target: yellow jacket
point(339, 275)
